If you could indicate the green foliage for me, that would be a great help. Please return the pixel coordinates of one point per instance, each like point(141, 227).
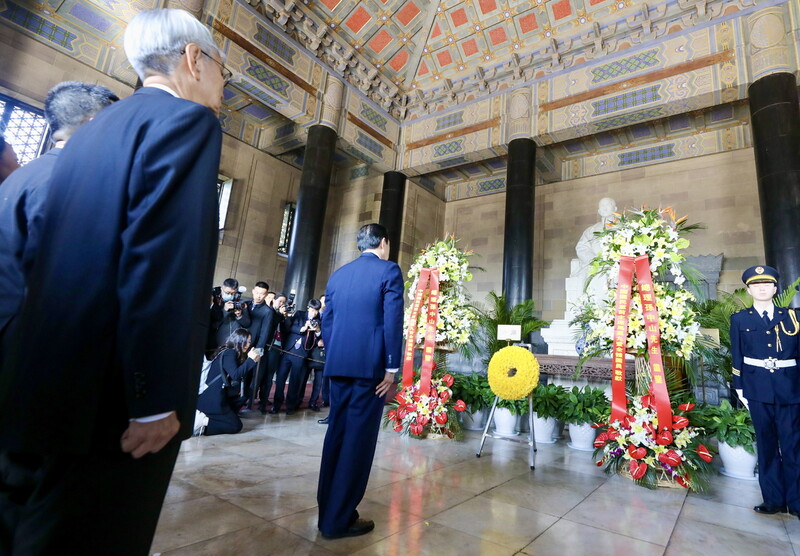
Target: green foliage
point(732, 426)
point(483, 341)
point(473, 389)
point(548, 400)
point(585, 405)
point(784, 298)
point(516, 407)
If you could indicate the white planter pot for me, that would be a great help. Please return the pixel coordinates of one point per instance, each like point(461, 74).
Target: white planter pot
point(581, 437)
point(737, 462)
point(543, 429)
point(473, 421)
point(505, 422)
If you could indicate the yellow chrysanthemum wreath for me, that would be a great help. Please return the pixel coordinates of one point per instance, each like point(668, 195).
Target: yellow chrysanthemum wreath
point(513, 373)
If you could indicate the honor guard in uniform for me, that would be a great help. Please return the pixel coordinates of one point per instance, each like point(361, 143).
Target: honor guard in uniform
point(764, 346)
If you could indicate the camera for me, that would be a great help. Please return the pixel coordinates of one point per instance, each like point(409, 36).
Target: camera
point(238, 304)
point(314, 323)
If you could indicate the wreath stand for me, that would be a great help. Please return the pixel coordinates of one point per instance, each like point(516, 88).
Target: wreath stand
point(531, 441)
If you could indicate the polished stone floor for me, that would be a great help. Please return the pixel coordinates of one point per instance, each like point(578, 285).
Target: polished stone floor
point(254, 493)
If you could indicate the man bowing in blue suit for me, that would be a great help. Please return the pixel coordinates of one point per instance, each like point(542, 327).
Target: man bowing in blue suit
point(128, 235)
point(362, 327)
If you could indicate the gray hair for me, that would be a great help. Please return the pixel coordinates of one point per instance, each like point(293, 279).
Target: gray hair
point(154, 40)
point(71, 104)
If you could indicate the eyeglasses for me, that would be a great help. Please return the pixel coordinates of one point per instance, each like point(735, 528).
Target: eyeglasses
point(226, 73)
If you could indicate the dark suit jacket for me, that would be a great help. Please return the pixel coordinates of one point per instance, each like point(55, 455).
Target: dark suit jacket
point(223, 324)
point(213, 400)
point(263, 323)
point(290, 333)
point(751, 337)
point(129, 234)
point(22, 197)
point(362, 324)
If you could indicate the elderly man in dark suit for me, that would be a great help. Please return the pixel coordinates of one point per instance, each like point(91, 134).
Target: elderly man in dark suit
point(362, 327)
point(129, 233)
point(68, 106)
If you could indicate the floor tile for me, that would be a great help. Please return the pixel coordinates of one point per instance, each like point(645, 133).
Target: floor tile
point(263, 540)
point(734, 517)
point(419, 496)
point(184, 523)
point(387, 523)
point(699, 538)
point(567, 538)
point(276, 497)
point(429, 538)
point(497, 522)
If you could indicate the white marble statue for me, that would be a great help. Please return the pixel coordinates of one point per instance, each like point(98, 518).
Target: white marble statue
point(560, 336)
point(587, 249)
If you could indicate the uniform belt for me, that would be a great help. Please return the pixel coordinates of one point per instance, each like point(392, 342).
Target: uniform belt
point(771, 362)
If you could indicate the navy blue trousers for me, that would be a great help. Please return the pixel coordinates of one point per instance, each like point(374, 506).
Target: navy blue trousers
point(348, 451)
point(292, 367)
point(778, 435)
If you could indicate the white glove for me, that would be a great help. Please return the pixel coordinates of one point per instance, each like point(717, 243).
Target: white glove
point(740, 393)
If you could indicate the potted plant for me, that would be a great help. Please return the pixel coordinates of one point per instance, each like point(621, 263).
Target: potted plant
point(483, 342)
point(581, 409)
point(736, 436)
point(506, 413)
point(547, 402)
point(474, 390)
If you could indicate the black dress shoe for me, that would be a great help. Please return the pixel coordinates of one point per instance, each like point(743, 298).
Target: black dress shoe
point(314, 408)
point(263, 411)
point(795, 513)
point(273, 411)
point(769, 510)
point(325, 404)
point(323, 421)
point(290, 412)
point(359, 527)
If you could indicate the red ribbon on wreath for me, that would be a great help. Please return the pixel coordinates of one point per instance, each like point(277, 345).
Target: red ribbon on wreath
point(428, 281)
point(640, 267)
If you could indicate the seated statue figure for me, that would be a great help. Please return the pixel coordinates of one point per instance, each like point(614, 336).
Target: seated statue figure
point(588, 247)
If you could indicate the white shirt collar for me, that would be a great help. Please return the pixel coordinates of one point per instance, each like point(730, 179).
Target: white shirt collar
point(163, 88)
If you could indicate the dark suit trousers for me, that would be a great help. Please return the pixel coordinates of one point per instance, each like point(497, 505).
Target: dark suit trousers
point(348, 451)
point(268, 370)
point(293, 368)
point(102, 503)
point(778, 434)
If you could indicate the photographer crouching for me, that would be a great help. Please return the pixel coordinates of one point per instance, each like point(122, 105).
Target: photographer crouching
point(228, 313)
point(224, 395)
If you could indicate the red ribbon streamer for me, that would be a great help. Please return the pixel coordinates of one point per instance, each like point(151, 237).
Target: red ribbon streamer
point(658, 384)
point(619, 399)
point(428, 280)
point(640, 266)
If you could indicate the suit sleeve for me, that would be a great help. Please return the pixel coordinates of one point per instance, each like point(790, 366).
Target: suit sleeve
point(327, 315)
point(392, 316)
point(736, 354)
point(232, 368)
point(169, 240)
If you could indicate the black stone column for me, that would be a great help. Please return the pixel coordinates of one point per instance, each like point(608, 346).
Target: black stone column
point(775, 115)
point(309, 216)
point(392, 199)
point(518, 234)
